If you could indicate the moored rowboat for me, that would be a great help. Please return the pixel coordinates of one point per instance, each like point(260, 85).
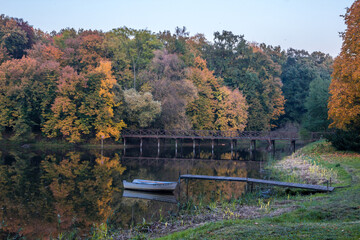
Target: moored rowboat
point(148, 185)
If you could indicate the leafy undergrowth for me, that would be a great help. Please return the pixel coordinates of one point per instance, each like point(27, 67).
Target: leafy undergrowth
point(334, 215)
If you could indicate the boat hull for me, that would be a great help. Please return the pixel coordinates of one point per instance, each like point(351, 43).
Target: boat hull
point(156, 196)
point(155, 186)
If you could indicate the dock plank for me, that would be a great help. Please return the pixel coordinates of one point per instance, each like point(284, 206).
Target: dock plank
point(260, 181)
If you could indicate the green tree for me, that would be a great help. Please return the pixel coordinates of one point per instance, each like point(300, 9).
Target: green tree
point(300, 69)
point(140, 108)
point(316, 118)
point(178, 43)
point(130, 47)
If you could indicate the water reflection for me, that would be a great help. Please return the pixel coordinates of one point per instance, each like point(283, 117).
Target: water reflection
point(46, 194)
point(43, 193)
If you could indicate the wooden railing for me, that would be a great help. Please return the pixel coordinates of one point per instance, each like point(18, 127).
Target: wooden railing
point(210, 134)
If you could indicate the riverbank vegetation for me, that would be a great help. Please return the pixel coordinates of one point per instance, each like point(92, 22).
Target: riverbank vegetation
point(284, 213)
point(269, 212)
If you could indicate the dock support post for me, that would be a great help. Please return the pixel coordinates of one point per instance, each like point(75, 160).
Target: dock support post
point(158, 152)
point(272, 144)
point(176, 146)
point(212, 148)
point(293, 145)
point(251, 155)
point(273, 150)
point(141, 144)
point(251, 186)
point(124, 146)
point(233, 144)
point(253, 145)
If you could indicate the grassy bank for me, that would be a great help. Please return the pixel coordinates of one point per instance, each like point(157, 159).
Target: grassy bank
point(333, 215)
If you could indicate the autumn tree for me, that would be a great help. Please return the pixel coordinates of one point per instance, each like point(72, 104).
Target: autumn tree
point(248, 68)
point(202, 110)
point(215, 107)
point(262, 88)
point(91, 51)
point(231, 115)
point(82, 50)
point(16, 36)
point(67, 118)
point(27, 90)
point(61, 38)
point(196, 44)
point(106, 123)
point(344, 104)
point(85, 106)
point(45, 52)
point(166, 78)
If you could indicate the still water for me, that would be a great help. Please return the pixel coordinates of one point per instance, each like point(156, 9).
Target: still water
point(45, 192)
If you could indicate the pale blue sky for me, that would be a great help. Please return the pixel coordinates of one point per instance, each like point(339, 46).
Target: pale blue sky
point(312, 25)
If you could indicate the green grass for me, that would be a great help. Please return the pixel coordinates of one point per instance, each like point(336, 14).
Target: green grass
point(263, 229)
point(333, 215)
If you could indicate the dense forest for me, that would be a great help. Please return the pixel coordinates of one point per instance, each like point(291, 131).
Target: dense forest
point(80, 85)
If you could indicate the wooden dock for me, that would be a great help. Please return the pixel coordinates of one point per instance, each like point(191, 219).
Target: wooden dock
point(260, 181)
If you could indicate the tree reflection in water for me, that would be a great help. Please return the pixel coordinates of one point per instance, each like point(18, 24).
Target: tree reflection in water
point(45, 193)
point(43, 197)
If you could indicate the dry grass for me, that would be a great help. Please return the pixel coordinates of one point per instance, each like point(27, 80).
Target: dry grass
point(302, 168)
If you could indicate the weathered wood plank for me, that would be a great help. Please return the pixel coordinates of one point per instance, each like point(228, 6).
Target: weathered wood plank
point(260, 181)
point(219, 178)
point(293, 185)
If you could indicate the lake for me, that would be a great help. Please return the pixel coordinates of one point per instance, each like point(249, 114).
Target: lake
point(45, 192)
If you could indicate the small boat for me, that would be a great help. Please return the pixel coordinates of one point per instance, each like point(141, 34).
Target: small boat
point(148, 185)
point(155, 196)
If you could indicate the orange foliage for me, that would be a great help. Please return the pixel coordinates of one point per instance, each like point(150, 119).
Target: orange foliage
point(91, 50)
point(42, 52)
point(344, 104)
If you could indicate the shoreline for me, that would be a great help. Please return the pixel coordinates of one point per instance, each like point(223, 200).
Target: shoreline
point(283, 207)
